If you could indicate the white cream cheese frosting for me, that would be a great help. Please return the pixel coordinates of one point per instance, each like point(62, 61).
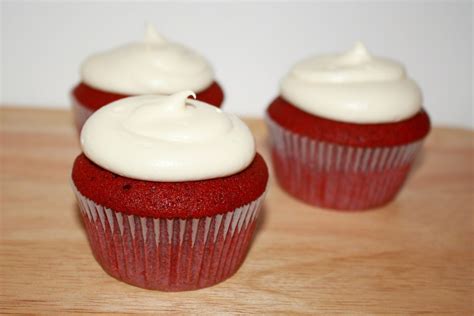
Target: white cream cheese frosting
point(352, 87)
point(167, 138)
point(153, 66)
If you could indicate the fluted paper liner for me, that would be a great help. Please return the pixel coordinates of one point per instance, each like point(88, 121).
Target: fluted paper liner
point(169, 254)
point(338, 176)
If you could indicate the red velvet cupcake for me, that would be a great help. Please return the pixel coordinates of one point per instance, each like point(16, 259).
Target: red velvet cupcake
point(346, 130)
point(162, 207)
point(154, 66)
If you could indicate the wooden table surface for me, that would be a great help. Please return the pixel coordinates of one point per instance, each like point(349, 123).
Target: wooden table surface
point(414, 256)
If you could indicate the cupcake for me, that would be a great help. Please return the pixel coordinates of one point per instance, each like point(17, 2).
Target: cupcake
point(346, 129)
point(169, 190)
point(153, 66)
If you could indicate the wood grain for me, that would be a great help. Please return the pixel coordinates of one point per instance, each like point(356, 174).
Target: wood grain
point(413, 256)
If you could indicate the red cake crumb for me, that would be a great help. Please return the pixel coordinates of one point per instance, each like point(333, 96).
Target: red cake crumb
point(95, 98)
point(351, 134)
point(189, 199)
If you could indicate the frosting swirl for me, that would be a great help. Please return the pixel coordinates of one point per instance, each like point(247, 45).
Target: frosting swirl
point(352, 87)
point(154, 66)
point(167, 138)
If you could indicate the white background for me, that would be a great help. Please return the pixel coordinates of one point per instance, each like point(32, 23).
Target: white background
point(250, 44)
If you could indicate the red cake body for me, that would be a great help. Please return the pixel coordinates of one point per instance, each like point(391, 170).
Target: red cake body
point(341, 165)
point(94, 99)
point(189, 199)
point(344, 133)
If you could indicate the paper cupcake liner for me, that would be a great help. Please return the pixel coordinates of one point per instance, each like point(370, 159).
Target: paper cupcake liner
point(169, 254)
point(337, 176)
point(81, 113)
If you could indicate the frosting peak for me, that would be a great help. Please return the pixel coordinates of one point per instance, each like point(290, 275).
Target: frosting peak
point(152, 66)
point(358, 54)
point(352, 87)
point(151, 35)
point(167, 138)
point(175, 103)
